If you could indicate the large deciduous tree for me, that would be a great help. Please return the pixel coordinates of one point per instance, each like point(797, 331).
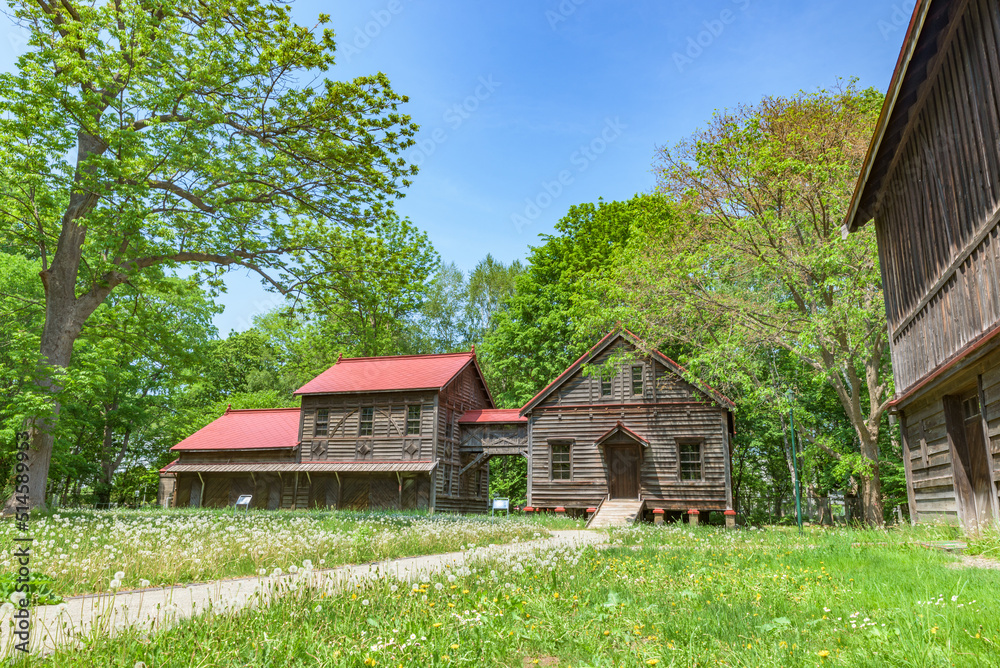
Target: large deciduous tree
point(558, 309)
point(142, 135)
point(757, 262)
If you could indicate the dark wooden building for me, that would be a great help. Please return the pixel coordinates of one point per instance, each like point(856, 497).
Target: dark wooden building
point(620, 425)
point(378, 432)
point(931, 182)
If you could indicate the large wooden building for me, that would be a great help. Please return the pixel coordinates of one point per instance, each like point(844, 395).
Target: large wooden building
point(378, 432)
point(621, 428)
point(931, 182)
point(622, 424)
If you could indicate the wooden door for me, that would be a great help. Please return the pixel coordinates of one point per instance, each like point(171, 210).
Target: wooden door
point(970, 458)
point(978, 459)
point(623, 472)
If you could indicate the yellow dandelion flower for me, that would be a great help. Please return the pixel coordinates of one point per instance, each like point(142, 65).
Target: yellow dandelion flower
point(454, 645)
point(824, 653)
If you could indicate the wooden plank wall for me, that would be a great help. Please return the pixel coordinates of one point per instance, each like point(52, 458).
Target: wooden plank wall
point(930, 463)
point(231, 456)
point(389, 441)
point(659, 476)
point(991, 391)
point(660, 384)
point(466, 392)
point(939, 244)
point(669, 408)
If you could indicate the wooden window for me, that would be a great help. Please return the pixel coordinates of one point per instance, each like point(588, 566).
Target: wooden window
point(689, 459)
point(561, 466)
point(971, 408)
point(637, 380)
point(322, 422)
point(367, 421)
point(412, 420)
point(605, 386)
point(446, 472)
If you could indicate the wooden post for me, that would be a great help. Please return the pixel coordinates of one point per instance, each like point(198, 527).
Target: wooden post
point(658, 515)
point(693, 517)
point(994, 499)
point(727, 458)
point(730, 518)
point(432, 499)
point(907, 466)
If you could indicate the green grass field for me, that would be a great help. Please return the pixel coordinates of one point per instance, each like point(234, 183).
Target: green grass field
point(81, 551)
point(654, 596)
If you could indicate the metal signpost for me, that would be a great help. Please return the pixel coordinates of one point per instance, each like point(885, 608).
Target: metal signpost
point(243, 502)
point(500, 504)
point(795, 462)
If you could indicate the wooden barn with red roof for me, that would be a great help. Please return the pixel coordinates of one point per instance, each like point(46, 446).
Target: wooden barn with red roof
point(621, 430)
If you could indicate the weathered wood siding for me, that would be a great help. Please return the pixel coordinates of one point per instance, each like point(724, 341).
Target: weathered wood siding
point(231, 456)
point(668, 410)
point(991, 411)
point(659, 383)
point(465, 392)
point(931, 474)
point(388, 442)
point(937, 221)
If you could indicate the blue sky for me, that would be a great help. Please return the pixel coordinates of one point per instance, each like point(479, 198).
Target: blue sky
point(529, 107)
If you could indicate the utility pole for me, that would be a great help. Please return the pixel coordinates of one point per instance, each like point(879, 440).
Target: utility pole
point(795, 461)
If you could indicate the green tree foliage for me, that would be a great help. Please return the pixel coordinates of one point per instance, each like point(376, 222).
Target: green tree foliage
point(757, 263)
point(557, 310)
point(491, 284)
point(136, 137)
point(440, 326)
point(364, 303)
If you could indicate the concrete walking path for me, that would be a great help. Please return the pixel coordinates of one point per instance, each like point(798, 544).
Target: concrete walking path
point(156, 609)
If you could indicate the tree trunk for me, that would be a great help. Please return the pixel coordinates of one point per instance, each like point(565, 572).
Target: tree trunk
point(65, 314)
point(871, 498)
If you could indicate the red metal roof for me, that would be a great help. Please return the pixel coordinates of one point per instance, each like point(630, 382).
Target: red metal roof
point(169, 466)
point(382, 374)
point(492, 415)
point(257, 429)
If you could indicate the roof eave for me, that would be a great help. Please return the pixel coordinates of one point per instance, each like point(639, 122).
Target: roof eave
point(177, 448)
point(852, 222)
point(404, 389)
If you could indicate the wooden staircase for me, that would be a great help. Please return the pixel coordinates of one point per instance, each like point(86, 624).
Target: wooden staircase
point(616, 513)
